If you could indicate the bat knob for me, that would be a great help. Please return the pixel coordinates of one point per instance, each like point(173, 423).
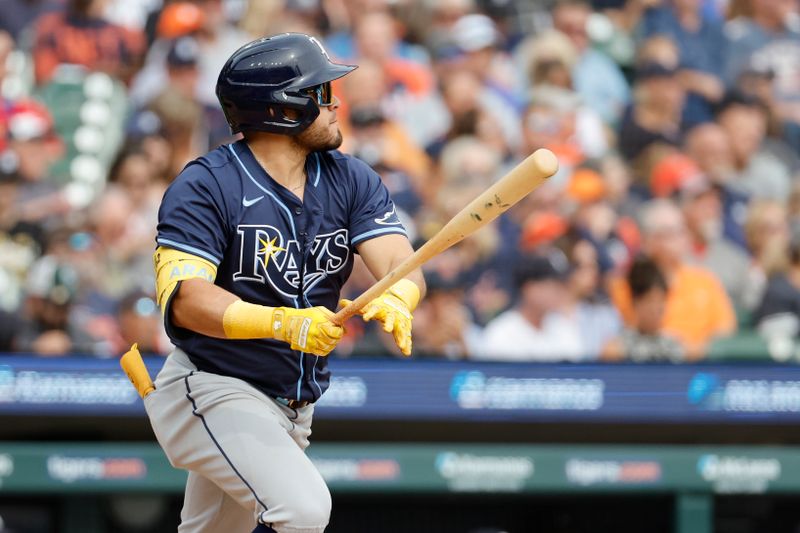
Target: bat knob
point(546, 161)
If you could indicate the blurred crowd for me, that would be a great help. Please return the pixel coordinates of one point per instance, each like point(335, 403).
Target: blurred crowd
point(671, 228)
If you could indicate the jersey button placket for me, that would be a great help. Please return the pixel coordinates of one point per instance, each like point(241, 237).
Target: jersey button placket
point(298, 211)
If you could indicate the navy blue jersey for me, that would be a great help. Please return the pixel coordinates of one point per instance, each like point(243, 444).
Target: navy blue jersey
point(272, 249)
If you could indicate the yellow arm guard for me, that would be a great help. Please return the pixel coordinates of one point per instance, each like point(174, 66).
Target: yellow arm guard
point(173, 266)
point(406, 290)
point(243, 320)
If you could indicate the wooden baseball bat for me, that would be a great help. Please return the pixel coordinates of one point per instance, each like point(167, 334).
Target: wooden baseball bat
point(495, 200)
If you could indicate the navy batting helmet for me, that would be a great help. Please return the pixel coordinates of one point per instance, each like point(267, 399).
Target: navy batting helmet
point(267, 76)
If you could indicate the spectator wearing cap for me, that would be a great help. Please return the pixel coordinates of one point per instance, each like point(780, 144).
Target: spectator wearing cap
point(756, 81)
point(541, 229)
point(782, 138)
point(758, 172)
point(697, 309)
point(477, 50)
point(47, 325)
point(526, 229)
point(80, 35)
point(644, 340)
point(595, 77)
point(32, 146)
point(480, 44)
point(702, 47)
point(436, 22)
point(615, 238)
point(176, 20)
point(216, 38)
point(190, 125)
point(182, 59)
point(654, 119)
point(535, 329)
point(548, 59)
point(31, 141)
point(445, 325)
point(768, 32)
point(679, 177)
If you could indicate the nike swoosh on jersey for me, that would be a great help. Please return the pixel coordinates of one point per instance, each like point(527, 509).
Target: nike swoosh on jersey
point(248, 203)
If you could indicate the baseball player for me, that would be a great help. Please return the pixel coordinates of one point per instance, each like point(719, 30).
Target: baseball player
point(255, 240)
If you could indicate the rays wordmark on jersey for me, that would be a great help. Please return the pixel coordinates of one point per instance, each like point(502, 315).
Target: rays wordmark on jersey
point(267, 257)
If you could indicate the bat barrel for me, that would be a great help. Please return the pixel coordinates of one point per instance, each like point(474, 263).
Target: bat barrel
point(519, 182)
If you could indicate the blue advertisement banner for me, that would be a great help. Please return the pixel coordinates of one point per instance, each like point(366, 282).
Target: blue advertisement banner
point(458, 391)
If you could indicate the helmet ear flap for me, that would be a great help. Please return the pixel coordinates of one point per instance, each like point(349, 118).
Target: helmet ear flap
point(291, 116)
point(279, 114)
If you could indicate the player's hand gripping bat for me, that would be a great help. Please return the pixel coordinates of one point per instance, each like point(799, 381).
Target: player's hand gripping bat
point(510, 189)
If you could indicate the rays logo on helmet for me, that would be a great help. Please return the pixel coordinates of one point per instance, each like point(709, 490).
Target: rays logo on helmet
point(266, 256)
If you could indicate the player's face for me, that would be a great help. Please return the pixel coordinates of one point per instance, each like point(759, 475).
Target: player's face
point(323, 134)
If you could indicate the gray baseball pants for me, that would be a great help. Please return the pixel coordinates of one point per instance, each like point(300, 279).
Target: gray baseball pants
point(243, 450)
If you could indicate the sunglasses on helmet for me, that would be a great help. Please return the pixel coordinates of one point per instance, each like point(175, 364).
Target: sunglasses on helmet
point(323, 94)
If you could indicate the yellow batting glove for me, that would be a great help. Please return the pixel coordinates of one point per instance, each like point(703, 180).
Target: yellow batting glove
point(393, 310)
point(308, 330)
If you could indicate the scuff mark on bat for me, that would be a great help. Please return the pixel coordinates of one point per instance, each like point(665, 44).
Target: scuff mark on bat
point(500, 202)
point(476, 216)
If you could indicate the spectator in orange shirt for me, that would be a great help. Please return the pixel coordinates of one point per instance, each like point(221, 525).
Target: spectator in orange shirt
point(644, 340)
point(79, 35)
point(697, 308)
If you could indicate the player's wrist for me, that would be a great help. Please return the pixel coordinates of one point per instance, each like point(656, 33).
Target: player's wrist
point(243, 320)
point(407, 291)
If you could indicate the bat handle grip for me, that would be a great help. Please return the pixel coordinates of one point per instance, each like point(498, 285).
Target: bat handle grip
point(346, 312)
point(367, 296)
